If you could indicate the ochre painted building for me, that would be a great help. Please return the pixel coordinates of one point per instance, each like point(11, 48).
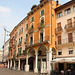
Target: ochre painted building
point(34, 42)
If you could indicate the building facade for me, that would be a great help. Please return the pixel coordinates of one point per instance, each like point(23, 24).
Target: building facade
point(65, 36)
point(18, 38)
point(1, 55)
point(44, 40)
point(41, 36)
point(6, 51)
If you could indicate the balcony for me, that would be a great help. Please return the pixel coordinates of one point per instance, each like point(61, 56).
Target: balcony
point(41, 41)
point(31, 30)
point(41, 25)
point(58, 30)
point(70, 27)
point(65, 42)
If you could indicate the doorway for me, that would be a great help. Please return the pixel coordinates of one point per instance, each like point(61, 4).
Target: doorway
point(61, 66)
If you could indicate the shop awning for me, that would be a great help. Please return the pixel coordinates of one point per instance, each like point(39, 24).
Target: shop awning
point(64, 59)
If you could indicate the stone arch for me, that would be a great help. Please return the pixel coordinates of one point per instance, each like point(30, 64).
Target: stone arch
point(42, 50)
point(31, 52)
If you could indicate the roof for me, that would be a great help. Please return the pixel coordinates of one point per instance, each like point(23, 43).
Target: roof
point(65, 5)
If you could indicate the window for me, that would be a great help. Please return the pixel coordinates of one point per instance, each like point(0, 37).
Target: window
point(71, 51)
point(21, 39)
point(42, 21)
point(42, 12)
point(15, 52)
point(41, 37)
point(59, 39)
point(60, 52)
point(26, 37)
point(31, 40)
point(26, 26)
point(69, 21)
point(74, 8)
point(11, 53)
point(32, 19)
point(70, 37)
point(16, 34)
point(22, 30)
point(15, 43)
point(59, 26)
point(68, 11)
point(59, 15)
point(74, 21)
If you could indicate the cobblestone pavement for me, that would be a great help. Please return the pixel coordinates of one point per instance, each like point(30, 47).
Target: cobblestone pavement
point(5, 71)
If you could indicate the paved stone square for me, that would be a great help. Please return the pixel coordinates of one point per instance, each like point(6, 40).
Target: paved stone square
point(5, 71)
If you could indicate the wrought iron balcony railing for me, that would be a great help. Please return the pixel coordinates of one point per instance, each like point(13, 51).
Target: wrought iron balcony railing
point(38, 41)
point(31, 30)
point(41, 25)
point(58, 30)
point(65, 41)
point(70, 26)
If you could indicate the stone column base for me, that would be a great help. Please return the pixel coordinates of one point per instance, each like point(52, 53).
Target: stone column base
point(18, 69)
point(35, 70)
point(27, 68)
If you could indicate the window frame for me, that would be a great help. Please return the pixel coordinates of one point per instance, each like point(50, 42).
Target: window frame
point(41, 12)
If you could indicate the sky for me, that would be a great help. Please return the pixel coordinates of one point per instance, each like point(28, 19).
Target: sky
point(12, 12)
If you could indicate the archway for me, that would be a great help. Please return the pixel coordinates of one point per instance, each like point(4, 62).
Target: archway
point(31, 55)
point(41, 57)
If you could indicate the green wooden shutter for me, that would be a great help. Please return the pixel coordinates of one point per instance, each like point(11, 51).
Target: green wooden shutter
point(21, 39)
point(27, 26)
point(42, 12)
point(32, 19)
point(26, 37)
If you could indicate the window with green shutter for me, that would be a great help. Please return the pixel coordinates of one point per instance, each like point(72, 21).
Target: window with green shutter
point(22, 30)
point(26, 37)
point(32, 19)
point(26, 26)
point(42, 12)
point(31, 40)
point(21, 39)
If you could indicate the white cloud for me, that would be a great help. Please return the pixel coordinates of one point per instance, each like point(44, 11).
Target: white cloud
point(4, 9)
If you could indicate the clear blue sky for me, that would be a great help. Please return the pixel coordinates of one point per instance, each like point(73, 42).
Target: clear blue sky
point(12, 12)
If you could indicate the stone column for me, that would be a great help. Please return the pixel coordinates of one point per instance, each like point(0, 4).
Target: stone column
point(49, 59)
point(11, 64)
point(14, 64)
point(36, 63)
point(27, 66)
point(8, 63)
point(19, 65)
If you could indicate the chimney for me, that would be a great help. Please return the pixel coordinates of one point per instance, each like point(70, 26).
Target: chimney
point(57, 2)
